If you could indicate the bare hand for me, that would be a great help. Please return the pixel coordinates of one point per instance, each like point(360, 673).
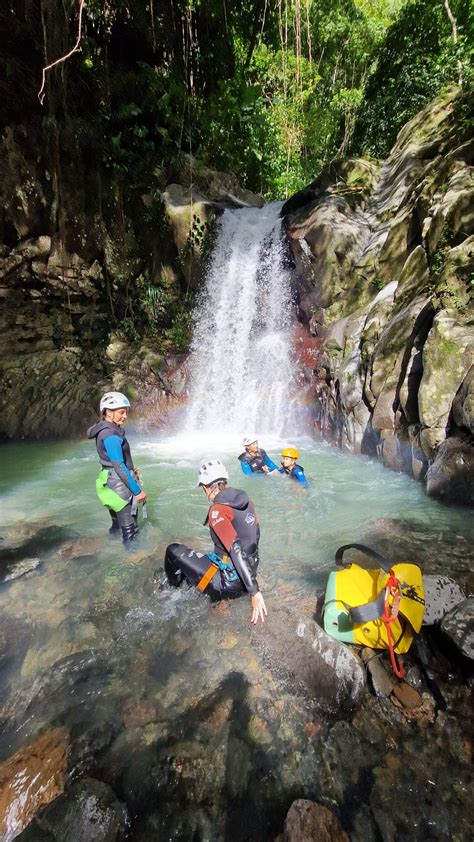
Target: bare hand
point(140, 498)
point(259, 609)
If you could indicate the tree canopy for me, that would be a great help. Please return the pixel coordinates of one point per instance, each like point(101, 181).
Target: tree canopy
point(270, 89)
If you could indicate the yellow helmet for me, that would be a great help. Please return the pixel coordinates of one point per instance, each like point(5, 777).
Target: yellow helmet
point(291, 452)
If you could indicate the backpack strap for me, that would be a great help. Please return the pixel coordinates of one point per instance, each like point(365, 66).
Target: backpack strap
point(373, 610)
point(383, 563)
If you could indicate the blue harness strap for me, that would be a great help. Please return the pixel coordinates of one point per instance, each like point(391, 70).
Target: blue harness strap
point(226, 566)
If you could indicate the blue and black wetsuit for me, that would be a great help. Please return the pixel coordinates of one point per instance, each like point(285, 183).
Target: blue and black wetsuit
point(230, 569)
point(296, 473)
point(254, 464)
point(116, 484)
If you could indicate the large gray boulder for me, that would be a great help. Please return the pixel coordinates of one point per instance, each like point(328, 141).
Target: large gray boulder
point(310, 662)
point(459, 626)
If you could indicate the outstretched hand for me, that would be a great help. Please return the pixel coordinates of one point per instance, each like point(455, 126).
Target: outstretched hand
point(140, 498)
point(259, 609)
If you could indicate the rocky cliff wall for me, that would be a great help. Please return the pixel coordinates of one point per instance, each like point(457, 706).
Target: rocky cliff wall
point(97, 299)
point(384, 256)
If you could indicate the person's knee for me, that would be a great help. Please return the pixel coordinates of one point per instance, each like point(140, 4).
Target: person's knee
point(175, 552)
point(173, 556)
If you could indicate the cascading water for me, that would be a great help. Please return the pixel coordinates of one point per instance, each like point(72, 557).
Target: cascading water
point(241, 366)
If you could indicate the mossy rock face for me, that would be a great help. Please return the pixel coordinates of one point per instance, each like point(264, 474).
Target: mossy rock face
point(414, 277)
point(452, 276)
point(447, 357)
point(394, 341)
point(453, 214)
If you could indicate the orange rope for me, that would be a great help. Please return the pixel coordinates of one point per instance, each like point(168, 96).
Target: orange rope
point(389, 616)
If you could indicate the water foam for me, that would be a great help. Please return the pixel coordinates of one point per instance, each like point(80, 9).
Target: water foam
point(241, 365)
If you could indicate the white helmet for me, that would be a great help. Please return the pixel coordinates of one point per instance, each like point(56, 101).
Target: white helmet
point(210, 472)
point(249, 440)
point(113, 400)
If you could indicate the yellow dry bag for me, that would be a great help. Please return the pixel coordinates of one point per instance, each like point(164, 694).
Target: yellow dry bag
point(380, 608)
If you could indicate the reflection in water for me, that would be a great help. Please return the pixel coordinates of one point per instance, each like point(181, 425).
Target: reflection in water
point(164, 695)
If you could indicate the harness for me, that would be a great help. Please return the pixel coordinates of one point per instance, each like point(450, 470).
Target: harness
point(256, 462)
point(290, 471)
point(224, 564)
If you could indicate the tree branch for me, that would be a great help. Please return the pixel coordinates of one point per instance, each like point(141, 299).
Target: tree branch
point(42, 92)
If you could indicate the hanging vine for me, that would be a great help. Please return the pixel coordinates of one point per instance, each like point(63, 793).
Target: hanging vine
point(41, 92)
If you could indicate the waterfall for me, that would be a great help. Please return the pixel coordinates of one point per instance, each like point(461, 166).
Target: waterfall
point(240, 364)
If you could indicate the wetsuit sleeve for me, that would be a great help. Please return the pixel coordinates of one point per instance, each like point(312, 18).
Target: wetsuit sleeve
point(113, 447)
point(270, 465)
point(246, 469)
point(298, 474)
point(241, 564)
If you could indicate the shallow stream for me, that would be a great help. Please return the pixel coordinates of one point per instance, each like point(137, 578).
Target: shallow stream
point(164, 695)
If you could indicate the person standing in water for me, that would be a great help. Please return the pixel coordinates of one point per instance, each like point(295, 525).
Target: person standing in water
point(290, 468)
point(230, 570)
point(117, 485)
point(255, 460)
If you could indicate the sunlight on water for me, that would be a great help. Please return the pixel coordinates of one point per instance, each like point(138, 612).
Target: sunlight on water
point(345, 492)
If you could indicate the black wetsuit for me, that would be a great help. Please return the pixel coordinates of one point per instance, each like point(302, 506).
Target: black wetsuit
point(235, 533)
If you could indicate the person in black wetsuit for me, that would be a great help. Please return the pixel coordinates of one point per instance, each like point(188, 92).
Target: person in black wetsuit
point(117, 485)
point(230, 569)
point(255, 460)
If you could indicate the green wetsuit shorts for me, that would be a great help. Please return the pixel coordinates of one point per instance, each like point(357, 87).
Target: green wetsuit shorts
point(115, 498)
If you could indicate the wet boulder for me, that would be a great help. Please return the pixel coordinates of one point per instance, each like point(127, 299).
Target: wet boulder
point(31, 778)
point(313, 664)
point(458, 625)
point(88, 812)
point(451, 475)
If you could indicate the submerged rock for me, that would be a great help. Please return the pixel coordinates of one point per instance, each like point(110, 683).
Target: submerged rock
point(307, 821)
point(321, 669)
point(88, 812)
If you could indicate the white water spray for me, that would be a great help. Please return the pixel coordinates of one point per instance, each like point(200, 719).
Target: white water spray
point(241, 367)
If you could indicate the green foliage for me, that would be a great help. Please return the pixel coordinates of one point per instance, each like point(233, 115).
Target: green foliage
point(129, 329)
point(416, 59)
point(378, 283)
point(180, 331)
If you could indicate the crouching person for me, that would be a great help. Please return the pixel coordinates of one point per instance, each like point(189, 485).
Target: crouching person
point(230, 569)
